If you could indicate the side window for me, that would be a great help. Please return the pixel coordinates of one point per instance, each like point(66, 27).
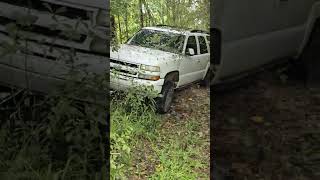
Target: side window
point(203, 45)
point(192, 43)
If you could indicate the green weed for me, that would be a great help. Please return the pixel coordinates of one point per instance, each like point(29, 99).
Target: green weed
point(173, 153)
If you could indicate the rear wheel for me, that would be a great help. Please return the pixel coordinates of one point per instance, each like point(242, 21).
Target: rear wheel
point(164, 102)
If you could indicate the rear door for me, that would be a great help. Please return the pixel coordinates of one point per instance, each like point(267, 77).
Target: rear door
point(203, 57)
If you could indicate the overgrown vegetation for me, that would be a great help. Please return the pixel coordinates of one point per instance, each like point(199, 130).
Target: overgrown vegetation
point(132, 117)
point(57, 136)
point(142, 148)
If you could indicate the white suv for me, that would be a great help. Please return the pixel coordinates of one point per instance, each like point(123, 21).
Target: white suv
point(163, 57)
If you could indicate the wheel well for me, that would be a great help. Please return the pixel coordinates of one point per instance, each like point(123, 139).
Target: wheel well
point(172, 76)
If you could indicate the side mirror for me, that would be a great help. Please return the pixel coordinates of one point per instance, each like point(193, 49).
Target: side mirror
point(191, 51)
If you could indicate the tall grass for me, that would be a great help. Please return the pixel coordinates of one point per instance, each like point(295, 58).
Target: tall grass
point(63, 139)
point(132, 117)
point(142, 148)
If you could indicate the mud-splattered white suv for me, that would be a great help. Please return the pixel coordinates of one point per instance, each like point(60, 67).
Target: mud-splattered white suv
point(163, 57)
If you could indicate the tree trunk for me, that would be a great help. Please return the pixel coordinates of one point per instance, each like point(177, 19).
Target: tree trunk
point(168, 12)
point(113, 27)
point(162, 13)
point(120, 31)
point(150, 17)
point(174, 13)
point(141, 14)
point(126, 21)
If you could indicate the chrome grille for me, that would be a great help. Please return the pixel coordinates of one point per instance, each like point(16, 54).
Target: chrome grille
point(124, 68)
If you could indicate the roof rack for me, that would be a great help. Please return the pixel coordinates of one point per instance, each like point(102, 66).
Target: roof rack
point(160, 25)
point(199, 31)
point(172, 27)
point(180, 28)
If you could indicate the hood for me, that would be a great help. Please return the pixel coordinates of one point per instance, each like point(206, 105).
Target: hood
point(141, 55)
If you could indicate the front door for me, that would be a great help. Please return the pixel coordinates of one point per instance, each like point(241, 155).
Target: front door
point(189, 67)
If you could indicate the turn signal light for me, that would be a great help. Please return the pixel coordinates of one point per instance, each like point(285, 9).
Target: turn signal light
point(149, 77)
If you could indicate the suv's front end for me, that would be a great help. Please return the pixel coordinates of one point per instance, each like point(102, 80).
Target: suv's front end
point(124, 75)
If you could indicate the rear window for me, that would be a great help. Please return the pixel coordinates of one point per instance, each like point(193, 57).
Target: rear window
point(203, 45)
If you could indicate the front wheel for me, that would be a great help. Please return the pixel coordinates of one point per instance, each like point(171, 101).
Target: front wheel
point(164, 102)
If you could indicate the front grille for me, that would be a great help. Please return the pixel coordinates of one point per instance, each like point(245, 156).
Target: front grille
point(126, 72)
point(125, 69)
point(124, 63)
point(39, 5)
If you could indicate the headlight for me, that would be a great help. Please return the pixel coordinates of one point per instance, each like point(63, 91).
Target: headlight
point(150, 68)
point(102, 18)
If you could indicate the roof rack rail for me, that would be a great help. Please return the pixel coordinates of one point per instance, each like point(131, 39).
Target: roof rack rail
point(199, 31)
point(164, 25)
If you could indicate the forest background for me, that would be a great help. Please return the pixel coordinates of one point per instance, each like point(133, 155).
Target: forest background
point(128, 16)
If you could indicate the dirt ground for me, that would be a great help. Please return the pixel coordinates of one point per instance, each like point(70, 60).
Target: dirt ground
point(191, 106)
point(268, 129)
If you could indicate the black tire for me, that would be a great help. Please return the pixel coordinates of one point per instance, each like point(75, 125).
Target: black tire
point(164, 102)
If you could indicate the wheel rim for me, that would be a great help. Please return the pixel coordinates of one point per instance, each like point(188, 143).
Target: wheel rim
point(168, 99)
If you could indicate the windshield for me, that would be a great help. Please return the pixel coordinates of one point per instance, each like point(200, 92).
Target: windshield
point(165, 41)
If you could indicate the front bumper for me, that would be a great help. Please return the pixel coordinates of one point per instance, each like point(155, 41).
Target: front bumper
point(123, 82)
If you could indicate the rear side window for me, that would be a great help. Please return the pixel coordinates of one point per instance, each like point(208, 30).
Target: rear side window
point(192, 43)
point(203, 45)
